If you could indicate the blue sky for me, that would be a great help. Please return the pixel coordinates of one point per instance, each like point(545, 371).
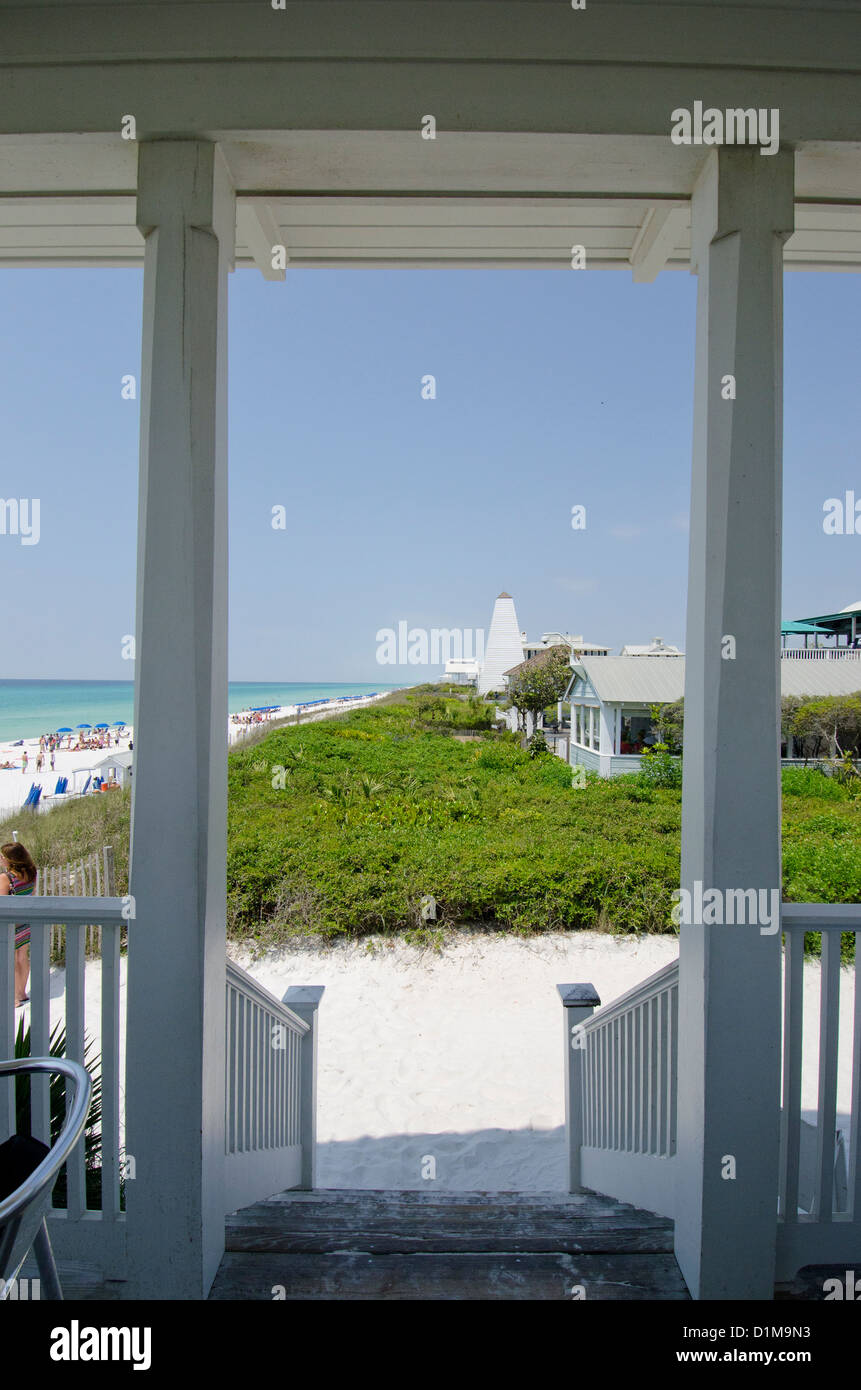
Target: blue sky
point(554, 388)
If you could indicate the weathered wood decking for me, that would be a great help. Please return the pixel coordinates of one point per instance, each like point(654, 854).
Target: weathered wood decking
point(446, 1246)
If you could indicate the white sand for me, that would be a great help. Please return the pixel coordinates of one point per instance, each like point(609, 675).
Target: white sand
point(15, 785)
point(459, 1055)
point(236, 733)
point(456, 1055)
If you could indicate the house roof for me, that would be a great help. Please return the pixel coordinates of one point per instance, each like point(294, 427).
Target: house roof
point(124, 759)
point(832, 622)
point(634, 679)
point(538, 659)
point(641, 680)
point(841, 677)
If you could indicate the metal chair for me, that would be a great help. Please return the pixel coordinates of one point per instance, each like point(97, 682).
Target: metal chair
point(23, 1221)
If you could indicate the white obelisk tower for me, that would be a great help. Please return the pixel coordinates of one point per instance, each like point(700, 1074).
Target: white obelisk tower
point(504, 647)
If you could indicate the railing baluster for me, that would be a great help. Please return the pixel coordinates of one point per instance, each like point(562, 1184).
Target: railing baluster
point(7, 1025)
point(294, 1091)
point(605, 1087)
point(642, 1141)
point(76, 1183)
point(855, 1124)
point(237, 1067)
point(673, 1017)
point(793, 1023)
point(651, 1053)
point(110, 1047)
point(631, 1144)
point(254, 1040)
point(829, 1035)
point(626, 1082)
point(245, 1077)
point(613, 1098)
point(267, 1083)
point(40, 1030)
point(659, 1073)
point(262, 1059)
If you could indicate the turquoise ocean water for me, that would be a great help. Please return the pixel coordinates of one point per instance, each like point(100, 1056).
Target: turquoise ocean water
point(31, 708)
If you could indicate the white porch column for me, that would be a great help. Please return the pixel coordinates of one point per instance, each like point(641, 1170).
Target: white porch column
point(591, 726)
point(729, 982)
point(176, 1000)
point(605, 740)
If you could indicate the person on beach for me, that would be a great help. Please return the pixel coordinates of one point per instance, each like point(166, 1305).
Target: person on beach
point(18, 876)
point(24, 762)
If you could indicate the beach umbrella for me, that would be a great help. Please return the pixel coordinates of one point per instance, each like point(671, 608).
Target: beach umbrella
point(67, 730)
point(119, 724)
point(102, 726)
point(83, 726)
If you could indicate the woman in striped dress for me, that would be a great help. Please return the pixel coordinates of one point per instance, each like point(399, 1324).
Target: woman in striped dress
point(18, 876)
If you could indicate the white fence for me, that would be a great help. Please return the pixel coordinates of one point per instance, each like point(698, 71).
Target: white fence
point(270, 1100)
point(821, 654)
point(820, 1219)
point(77, 1231)
point(270, 1129)
point(621, 1084)
point(91, 877)
point(623, 1062)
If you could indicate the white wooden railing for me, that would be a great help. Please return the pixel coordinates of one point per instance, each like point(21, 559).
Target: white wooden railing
point(77, 1232)
point(270, 1093)
point(819, 1204)
point(621, 1072)
point(621, 1084)
point(91, 877)
point(821, 653)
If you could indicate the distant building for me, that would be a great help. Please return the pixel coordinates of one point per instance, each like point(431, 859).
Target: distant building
point(829, 634)
point(611, 696)
point(657, 647)
point(504, 646)
point(555, 639)
point(464, 669)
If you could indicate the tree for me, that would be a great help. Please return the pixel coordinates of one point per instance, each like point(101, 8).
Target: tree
point(789, 707)
point(540, 681)
point(668, 721)
point(830, 725)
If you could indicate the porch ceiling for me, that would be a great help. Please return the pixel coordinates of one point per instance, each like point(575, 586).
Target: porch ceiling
point(390, 198)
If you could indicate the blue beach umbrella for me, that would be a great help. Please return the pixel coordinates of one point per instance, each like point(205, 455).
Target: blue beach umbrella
point(102, 726)
point(64, 731)
point(118, 724)
point(83, 726)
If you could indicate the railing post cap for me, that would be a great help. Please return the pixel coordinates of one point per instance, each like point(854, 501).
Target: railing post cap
point(578, 996)
point(307, 996)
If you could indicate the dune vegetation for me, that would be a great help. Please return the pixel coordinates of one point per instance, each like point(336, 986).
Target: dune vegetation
point(417, 814)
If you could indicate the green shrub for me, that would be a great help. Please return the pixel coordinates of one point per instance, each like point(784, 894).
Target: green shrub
point(659, 768)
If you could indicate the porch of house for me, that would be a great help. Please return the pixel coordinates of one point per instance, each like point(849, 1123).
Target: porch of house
point(311, 147)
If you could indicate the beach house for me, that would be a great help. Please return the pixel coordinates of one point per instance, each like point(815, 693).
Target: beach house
point(192, 139)
point(612, 699)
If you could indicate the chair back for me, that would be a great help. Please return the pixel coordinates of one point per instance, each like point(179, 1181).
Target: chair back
point(22, 1212)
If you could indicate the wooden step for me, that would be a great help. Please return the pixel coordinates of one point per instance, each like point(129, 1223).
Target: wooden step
point(441, 1277)
point(361, 1244)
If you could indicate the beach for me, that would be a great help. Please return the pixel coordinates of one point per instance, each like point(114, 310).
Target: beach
point(15, 785)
